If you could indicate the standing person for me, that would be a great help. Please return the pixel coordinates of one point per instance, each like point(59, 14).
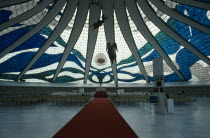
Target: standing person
point(100, 78)
point(183, 93)
point(167, 96)
point(179, 93)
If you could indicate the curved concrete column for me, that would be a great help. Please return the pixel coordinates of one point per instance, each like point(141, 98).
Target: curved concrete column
point(6, 3)
point(79, 22)
point(109, 30)
point(122, 19)
point(62, 24)
point(43, 23)
point(194, 3)
point(25, 15)
point(92, 37)
point(162, 7)
point(141, 26)
point(160, 24)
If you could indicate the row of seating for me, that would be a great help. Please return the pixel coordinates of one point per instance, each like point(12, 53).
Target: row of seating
point(184, 100)
point(146, 98)
point(54, 99)
point(75, 99)
point(22, 100)
point(132, 99)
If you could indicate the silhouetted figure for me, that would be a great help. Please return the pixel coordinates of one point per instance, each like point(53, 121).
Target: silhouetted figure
point(111, 49)
point(179, 93)
point(183, 93)
point(99, 22)
point(100, 78)
point(167, 96)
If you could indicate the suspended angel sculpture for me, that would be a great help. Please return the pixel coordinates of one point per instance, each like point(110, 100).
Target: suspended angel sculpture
point(99, 22)
point(111, 50)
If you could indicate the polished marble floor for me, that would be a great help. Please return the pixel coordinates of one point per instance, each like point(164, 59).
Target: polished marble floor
point(44, 120)
point(34, 121)
point(188, 121)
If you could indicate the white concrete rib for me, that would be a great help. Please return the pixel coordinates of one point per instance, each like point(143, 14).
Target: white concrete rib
point(160, 24)
point(141, 26)
point(194, 3)
point(122, 19)
point(109, 30)
point(162, 7)
point(95, 12)
point(62, 24)
point(43, 23)
point(25, 15)
point(79, 22)
point(7, 3)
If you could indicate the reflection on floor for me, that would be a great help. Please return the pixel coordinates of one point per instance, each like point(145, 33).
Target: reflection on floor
point(188, 121)
point(44, 120)
point(34, 121)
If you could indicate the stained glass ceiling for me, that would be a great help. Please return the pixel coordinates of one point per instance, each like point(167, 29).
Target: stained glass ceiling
point(55, 40)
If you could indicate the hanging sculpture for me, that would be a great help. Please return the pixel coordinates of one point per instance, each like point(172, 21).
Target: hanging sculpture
point(111, 50)
point(99, 22)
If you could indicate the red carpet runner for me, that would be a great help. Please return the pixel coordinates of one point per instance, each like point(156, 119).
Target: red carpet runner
point(98, 119)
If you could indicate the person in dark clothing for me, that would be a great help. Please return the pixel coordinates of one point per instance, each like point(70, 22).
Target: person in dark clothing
point(100, 78)
point(183, 93)
point(179, 93)
point(167, 96)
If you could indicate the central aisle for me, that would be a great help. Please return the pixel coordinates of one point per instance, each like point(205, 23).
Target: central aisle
point(98, 119)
